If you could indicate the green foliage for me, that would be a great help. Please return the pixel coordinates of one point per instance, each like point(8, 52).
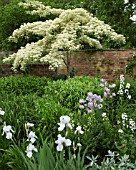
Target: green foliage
point(11, 17)
point(118, 17)
point(23, 85)
point(62, 98)
point(118, 100)
point(49, 111)
point(112, 161)
point(131, 64)
point(49, 160)
point(65, 4)
point(70, 91)
point(46, 158)
point(18, 111)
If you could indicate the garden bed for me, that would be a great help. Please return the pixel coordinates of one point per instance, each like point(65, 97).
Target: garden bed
point(67, 124)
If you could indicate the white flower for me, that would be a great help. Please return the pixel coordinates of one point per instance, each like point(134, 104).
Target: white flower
point(79, 144)
point(120, 91)
point(132, 124)
point(128, 85)
point(32, 137)
point(103, 114)
point(79, 130)
point(112, 86)
point(124, 116)
point(8, 131)
point(122, 77)
point(59, 147)
point(118, 122)
point(129, 96)
point(2, 112)
point(29, 150)
point(120, 131)
point(113, 94)
point(70, 22)
point(65, 119)
point(126, 1)
point(8, 135)
point(27, 125)
point(62, 140)
point(126, 91)
point(64, 122)
point(67, 142)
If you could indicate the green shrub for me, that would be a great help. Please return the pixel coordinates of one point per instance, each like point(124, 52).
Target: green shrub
point(69, 92)
point(23, 85)
point(49, 112)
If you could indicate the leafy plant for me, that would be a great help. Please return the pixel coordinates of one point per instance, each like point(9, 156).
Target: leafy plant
point(46, 158)
point(131, 64)
point(23, 85)
point(70, 91)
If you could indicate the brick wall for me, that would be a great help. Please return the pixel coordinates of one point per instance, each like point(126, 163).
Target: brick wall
point(34, 69)
point(107, 63)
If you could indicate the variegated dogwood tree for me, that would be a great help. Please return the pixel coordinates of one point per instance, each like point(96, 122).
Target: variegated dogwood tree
point(70, 30)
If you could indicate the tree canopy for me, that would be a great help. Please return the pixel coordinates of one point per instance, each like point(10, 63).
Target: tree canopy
point(116, 13)
point(68, 31)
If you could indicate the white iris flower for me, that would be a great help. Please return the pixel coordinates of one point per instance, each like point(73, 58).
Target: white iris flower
point(62, 140)
point(79, 130)
point(64, 122)
point(29, 150)
point(2, 112)
point(8, 131)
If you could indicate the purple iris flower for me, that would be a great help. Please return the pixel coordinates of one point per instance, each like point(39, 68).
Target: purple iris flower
point(81, 107)
point(101, 85)
point(105, 94)
point(102, 80)
point(81, 101)
point(89, 94)
point(90, 104)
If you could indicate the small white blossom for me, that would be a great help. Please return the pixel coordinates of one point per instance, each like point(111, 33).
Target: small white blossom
point(124, 116)
point(103, 114)
point(122, 78)
point(120, 131)
point(79, 130)
point(79, 144)
point(126, 91)
point(27, 125)
point(120, 91)
point(112, 86)
point(129, 96)
point(2, 112)
point(128, 85)
point(132, 124)
point(126, 1)
point(118, 122)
